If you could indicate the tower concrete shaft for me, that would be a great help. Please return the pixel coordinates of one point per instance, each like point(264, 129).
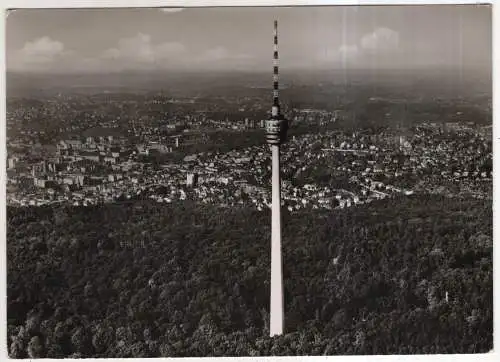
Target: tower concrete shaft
point(277, 300)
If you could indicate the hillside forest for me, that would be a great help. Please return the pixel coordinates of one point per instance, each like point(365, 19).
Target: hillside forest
point(141, 279)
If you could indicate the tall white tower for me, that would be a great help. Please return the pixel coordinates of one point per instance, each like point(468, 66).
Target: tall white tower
point(276, 129)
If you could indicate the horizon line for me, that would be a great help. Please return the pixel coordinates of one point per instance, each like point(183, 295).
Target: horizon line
point(285, 70)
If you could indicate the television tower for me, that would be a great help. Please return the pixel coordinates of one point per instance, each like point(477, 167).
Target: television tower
point(276, 129)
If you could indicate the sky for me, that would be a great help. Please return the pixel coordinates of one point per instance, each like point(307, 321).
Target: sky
point(204, 39)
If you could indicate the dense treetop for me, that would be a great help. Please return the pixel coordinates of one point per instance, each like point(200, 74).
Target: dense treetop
point(140, 279)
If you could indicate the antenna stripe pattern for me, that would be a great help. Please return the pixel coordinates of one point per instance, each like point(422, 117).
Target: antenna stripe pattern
point(274, 124)
point(275, 68)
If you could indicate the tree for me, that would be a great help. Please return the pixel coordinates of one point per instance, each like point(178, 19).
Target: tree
point(103, 338)
point(80, 340)
point(35, 348)
point(16, 349)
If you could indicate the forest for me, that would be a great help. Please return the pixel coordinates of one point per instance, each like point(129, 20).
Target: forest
point(140, 279)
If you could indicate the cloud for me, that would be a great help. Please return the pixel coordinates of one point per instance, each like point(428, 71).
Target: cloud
point(348, 51)
point(139, 49)
point(39, 54)
point(136, 52)
point(342, 54)
point(381, 39)
point(41, 50)
point(376, 46)
point(139, 52)
point(171, 10)
point(220, 56)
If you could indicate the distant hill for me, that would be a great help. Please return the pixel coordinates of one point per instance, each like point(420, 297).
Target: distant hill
point(191, 83)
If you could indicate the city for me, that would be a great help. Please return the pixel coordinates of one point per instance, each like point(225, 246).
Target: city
point(120, 161)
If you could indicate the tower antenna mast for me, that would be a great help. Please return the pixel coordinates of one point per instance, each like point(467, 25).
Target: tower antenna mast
point(276, 129)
